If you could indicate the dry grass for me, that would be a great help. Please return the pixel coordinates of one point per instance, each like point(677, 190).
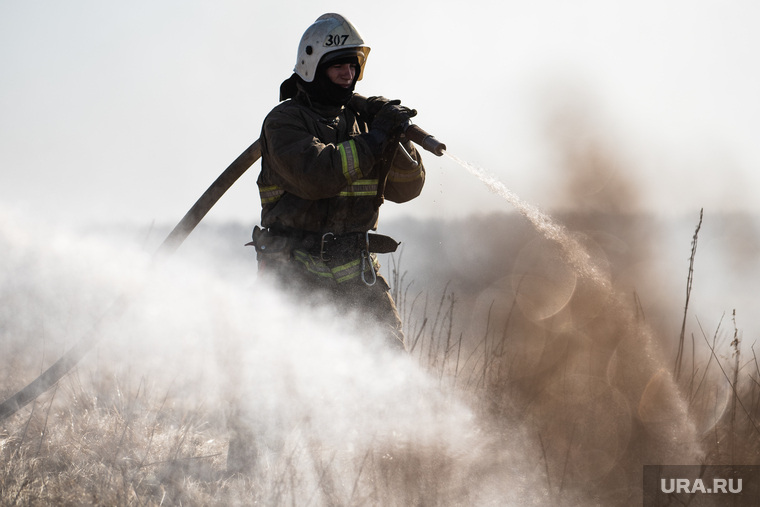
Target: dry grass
point(568, 408)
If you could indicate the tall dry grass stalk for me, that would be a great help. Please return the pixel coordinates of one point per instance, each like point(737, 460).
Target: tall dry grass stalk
point(689, 282)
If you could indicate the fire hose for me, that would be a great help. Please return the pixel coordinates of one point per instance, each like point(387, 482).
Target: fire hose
point(176, 237)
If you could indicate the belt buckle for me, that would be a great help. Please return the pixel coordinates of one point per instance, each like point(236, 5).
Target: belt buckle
point(322, 253)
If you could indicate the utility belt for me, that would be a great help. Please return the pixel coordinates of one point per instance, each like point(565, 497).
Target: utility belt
point(326, 246)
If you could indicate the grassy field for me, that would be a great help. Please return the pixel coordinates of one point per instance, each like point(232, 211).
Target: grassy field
point(524, 384)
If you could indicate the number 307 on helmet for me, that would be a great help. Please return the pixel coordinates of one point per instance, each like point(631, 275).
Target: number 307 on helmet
point(330, 37)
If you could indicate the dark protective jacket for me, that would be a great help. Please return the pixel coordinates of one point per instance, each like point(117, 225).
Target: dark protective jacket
point(317, 176)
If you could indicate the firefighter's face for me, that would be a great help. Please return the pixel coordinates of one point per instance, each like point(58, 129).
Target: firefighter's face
point(342, 74)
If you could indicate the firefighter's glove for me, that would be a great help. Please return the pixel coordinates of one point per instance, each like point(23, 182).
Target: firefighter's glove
point(375, 104)
point(387, 126)
point(392, 117)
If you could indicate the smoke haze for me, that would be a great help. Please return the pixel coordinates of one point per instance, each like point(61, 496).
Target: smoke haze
point(558, 386)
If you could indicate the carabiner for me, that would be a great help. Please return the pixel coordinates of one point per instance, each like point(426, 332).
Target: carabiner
point(322, 246)
point(365, 257)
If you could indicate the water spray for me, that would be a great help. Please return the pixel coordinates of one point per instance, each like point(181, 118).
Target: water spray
point(574, 252)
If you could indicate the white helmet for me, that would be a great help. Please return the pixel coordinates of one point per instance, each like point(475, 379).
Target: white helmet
point(330, 34)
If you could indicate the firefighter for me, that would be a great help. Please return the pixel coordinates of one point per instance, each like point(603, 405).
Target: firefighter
point(329, 159)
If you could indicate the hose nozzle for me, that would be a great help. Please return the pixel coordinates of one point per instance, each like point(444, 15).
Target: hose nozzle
point(425, 140)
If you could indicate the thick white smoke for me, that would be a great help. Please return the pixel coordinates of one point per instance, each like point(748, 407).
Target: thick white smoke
point(311, 396)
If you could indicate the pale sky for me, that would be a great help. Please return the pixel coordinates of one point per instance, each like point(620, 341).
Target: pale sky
point(114, 112)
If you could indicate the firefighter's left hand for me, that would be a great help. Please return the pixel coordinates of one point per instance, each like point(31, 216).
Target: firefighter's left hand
point(387, 126)
point(375, 104)
point(391, 117)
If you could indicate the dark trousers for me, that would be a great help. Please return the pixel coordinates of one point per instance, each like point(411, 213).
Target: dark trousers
point(369, 305)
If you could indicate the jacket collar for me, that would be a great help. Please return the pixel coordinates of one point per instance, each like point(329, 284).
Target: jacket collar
point(323, 110)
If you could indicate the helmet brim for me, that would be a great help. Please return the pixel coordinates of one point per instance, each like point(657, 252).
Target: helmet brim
point(346, 55)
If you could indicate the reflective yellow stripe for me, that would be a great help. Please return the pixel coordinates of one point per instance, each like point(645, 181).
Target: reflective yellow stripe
point(312, 264)
point(340, 274)
point(270, 194)
point(360, 188)
point(347, 271)
point(350, 162)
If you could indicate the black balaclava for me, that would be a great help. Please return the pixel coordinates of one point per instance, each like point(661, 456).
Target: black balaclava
point(322, 90)
point(326, 92)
